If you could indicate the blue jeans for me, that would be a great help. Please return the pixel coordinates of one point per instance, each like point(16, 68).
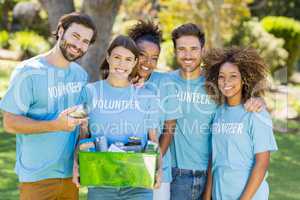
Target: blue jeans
point(187, 184)
point(115, 193)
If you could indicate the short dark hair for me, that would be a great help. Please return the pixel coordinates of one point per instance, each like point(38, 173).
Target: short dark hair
point(186, 30)
point(252, 67)
point(78, 18)
point(120, 41)
point(146, 31)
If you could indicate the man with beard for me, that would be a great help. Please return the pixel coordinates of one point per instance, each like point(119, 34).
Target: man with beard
point(42, 93)
point(190, 148)
point(191, 145)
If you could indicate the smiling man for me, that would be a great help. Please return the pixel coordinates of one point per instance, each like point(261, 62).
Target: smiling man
point(191, 145)
point(42, 92)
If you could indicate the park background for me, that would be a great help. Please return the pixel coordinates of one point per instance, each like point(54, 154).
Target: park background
point(270, 26)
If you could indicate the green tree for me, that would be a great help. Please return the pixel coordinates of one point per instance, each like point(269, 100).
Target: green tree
point(289, 30)
point(288, 8)
point(217, 17)
point(251, 33)
point(6, 7)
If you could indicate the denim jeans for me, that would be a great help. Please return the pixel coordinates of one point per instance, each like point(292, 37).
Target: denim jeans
point(187, 184)
point(123, 193)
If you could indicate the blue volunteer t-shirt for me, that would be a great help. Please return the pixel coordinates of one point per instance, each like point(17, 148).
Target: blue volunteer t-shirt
point(191, 146)
point(119, 113)
point(41, 91)
point(237, 135)
point(159, 83)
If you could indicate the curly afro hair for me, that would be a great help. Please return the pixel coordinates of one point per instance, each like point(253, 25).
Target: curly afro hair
point(146, 31)
point(253, 71)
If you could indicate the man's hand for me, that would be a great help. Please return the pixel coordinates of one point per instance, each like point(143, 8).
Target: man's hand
point(66, 123)
point(254, 104)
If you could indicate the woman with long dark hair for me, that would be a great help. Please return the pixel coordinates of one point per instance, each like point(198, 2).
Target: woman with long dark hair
point(118, 110)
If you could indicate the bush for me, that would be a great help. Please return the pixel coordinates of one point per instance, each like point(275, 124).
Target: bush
point(289, 30)
point(29, 43)
point(251, 33)
point(296, 106)
point(4, 37)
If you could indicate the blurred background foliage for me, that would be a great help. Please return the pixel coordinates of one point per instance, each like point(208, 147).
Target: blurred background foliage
point(270, 26)
point(226, 22)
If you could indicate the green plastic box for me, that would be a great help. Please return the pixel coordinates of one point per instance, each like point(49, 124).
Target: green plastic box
point(117, 169)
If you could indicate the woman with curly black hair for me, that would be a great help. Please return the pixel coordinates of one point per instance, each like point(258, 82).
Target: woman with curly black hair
point(241, 140)
point(147, 37)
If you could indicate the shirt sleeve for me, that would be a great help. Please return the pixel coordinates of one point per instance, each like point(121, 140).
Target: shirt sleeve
point(19, 96)
point(262, 132)
point(169, 104)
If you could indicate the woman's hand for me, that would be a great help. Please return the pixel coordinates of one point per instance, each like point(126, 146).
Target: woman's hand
point(207, 195)
point(158, 176)
point(75, 178)
point(153, 137)
point(257, 175)
point(138, 81)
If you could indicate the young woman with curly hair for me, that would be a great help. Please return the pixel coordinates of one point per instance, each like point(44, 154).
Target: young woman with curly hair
point(241, 140)
point(147, 37)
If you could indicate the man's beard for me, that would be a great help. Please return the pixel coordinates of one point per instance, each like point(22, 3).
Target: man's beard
point(64, 45)
point(189, 69)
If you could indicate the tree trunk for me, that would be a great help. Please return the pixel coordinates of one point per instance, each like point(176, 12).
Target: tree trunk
point(103, 13)
point(204, 10)
point(214, 9)
point(55, 9)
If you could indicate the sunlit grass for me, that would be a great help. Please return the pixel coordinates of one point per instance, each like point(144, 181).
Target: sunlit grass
point(284, 173)
point(8, 178)
point(6, 68)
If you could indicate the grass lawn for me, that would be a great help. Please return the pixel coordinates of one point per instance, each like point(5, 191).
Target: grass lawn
point(284, 172)
point(8, 178)
point(283, 178)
